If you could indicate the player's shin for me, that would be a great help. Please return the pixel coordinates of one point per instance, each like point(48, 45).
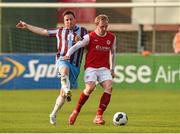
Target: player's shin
point(65, 85)
point(59, 103)
point(105, 99)
point(82, 99)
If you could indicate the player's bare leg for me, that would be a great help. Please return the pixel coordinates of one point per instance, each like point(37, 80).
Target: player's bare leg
point(59, 103)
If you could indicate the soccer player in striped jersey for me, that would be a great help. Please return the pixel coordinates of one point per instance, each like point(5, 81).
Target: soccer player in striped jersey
point(69, 70)
point(99, 66)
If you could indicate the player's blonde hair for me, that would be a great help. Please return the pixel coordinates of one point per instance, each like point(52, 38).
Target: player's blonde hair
point(101, 17)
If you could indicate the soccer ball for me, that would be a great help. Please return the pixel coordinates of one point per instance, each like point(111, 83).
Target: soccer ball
point(120, 118)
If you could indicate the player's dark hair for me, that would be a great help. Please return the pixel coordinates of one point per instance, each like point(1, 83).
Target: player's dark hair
point(67, 12)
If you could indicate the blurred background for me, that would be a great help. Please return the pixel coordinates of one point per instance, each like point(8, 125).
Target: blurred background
point(136, 28)
point(27, 60)
point(146, 85)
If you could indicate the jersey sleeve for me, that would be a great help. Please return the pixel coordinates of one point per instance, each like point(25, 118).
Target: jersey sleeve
point(78, 45)
point(52, 32)
point(85, 31)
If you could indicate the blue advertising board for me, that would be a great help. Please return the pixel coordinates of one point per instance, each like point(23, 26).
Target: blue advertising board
point(28, 71)
point(38, 71)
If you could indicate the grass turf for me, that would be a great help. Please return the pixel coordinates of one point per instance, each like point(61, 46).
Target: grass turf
point(147, 110)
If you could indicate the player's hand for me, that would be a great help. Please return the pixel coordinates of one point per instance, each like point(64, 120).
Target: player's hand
point(77, 38)
point(112, 73)
point(21, 25)
point(65, 57)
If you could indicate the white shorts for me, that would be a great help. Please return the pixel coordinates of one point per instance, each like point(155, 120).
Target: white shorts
point(97, 74)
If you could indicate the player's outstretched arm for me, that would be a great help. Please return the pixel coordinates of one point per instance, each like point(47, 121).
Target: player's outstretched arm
point(34, 29)
point(73, 49)
point(78, 45)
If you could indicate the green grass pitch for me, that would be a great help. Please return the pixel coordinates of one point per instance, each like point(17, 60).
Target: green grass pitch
point(149, 111)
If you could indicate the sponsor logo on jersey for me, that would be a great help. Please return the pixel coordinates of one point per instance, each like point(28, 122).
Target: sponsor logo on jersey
point(108, 42)
point(95, 40)
point(102, 48)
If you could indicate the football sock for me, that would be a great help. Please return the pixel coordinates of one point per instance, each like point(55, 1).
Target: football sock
point(82, 99)
point(65, 83)
point(59, 103)
point(105, 99)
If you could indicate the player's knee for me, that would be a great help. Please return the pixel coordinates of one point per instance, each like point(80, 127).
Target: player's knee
point(89, 88)
point(87, 91)
point(108, 90)
point(63, 70)
point(62, 93)
point(64, 79)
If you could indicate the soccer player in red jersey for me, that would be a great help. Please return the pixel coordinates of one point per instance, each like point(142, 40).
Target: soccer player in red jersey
point(99, 66)
point(66, 36)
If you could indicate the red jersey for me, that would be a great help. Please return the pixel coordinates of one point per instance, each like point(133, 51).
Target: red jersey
point(99, 50)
